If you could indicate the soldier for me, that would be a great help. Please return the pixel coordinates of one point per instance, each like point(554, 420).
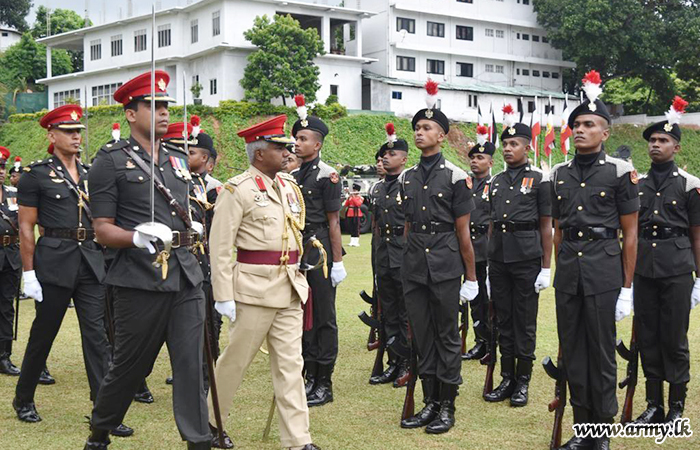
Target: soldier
point(293, 162)
point(520, 251)
point(151, 305)
point(15, 171)
point(593, 196)
point(481, 162)
point(10, 265)
point(389, 223)
point(261, 213)
point(320, 185)
point(667, 255)
point(437, 202)
point(354, 214)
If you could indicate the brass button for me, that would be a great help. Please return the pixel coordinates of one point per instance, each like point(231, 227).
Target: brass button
point(655, 227)
point(673, 202)
point(440, 194)
point(173, 213)
point(58, 195)
point(504, 230)
point(425, 187)
point(511, 188)
point(505, 215)
point(140, 178)
point(602, 194)
point(583, 184)
point(580, 253)
point(507, 201)
point(558, 197)
point(473, 237)
point(423, 227)
point(427, 250)
point(656, 211)
point(388, 240)
point(658, 194)
point(580, 208)
point(654, 245)
point(423, 208)
point(503, 226)
point(386, 210)
point(388, 231)
point(387, 196)
point(654, 233)
point(580, 234)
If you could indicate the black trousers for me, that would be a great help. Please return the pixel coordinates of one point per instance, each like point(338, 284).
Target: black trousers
point(143, 321)
point(662, 315)
point(89, 298)
point(354, 226)
point(394, 316)
point(9, 280)
point(586, 328)
point(433, 311)
point(516, 303)
point(479, 307)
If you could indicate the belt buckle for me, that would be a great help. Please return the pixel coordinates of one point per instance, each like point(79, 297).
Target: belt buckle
point(81, 234)
point(176, 242)
point(6, 240)
point(432, 228)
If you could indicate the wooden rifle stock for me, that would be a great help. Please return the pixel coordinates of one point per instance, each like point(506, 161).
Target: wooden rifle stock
point(490, 358)
point(409, 400)
point(463, 327)
point(630, 382)
point(557, 405)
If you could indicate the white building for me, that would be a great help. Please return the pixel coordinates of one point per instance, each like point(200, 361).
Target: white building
point(8, 37)
point(482, 52)
point(205, 41)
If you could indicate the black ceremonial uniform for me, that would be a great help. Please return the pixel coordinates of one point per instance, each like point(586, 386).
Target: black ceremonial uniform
point(663, 280)
point(69, 264)
point(589, 195)
point(148, 310)
point(435, 193)
point(10, 267)
point(519, 197)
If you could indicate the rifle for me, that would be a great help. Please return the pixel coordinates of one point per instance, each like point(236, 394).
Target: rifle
point(370, 320)
point(559, 402)
point(464, 325)
point(409, 401)
point(377, 338)
point(630, 355)
point(210, 368)
point(490, 358)
point(18, 294)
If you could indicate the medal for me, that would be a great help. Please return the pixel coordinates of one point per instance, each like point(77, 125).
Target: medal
point(526, 185)
point(130, 164)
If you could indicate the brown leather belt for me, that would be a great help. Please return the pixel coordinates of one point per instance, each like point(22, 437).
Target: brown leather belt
point(9, 239)
point(264, 257)
point(185, 239)
point(77, 234)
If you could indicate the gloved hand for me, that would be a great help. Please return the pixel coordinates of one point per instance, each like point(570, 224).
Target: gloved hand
point(338, 273)
point(32, 287)
point(198, 228)
point(469, 291)
point(227, 309)
point(695, 296)
point(543, 279)
point(143, 240)
point(623, 308)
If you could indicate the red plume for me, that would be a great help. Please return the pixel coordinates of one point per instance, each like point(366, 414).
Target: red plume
point(18, 159)
point(50, 149)
point(679, 104)
point(390, 129)
point(508, 109)
point(300, 100)
point(115, 126)
point(431, 87)
point(482, 129)
point(195, 121)
point(592, 77)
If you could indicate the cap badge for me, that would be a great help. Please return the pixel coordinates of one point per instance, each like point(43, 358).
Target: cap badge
point(668, 127)
point(390, 144)
point(481, 149)
point(511, 131)
point(428, 113)
point(592, 106)
point(161, 84)
point(304, 123)
point(74, 115)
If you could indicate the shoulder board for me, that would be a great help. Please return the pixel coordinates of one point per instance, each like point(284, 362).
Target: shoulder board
point(174, 148)
point(402, 176)
point(286, 176)
point(558, 166)
point(691, 181)
point(324, 170)
point(238, 179)
point(39, 162)
point(121, 143)
point(545, 175)
point(11, 189)
point(621, 167)
point(458, 174)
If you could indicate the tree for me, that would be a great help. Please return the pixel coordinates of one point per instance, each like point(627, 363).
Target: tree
point(282, 66)
point(13, 12)
point(26, 61)
point(62, 20)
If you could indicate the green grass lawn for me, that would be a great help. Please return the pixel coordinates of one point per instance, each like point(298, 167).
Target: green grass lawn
point(361, 417)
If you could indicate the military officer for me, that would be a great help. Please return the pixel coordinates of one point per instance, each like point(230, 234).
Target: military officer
point(320, 185)
point(261, 212)
point(389, 220)
point(664, 293)
point(593, 196)
point(437, 203)
point(15, 171)
point(10, 265)
point(520, 251)
point(152, 305)
point(481, 163)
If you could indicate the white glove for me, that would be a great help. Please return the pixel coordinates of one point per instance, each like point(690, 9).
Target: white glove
point(624, 304)
point(338, 273)
point(469, 291)
point(227, 309)
point(543, 279)
point(198, 228)
point(32, 287)
point(143, 240)
point(695, 296)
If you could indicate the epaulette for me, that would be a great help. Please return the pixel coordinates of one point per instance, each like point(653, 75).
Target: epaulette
point(324, 170)
point(173, 147)
point(121, 143)
point(39, 162)
point(238, 179)
point(402, 175)
point(691, 181)
point(458, 174)
point(621, 167)
point(545, 175)
point(286, 176)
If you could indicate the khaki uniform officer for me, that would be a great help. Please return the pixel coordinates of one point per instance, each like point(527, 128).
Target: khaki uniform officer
point(261, 213)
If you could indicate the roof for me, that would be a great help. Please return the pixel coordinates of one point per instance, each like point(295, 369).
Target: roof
point(483, 88)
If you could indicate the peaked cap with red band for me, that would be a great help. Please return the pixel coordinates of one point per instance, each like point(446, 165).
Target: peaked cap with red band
point(139, 88)
point(271, 130)
point(176, 133)
point(66, 117)
point(4, 153)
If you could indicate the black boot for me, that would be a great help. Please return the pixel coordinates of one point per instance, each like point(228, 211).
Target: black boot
point(310, 368)
point(476, 352)
point(323, 392)
point(523, 374)
point(445, 419)
point(403, 375)
point(122, 431)
point(46, 378)
point(143, 395)
point(581, 415)
point(98, 440)
point(431, 395)
point(603, 442)
point(676, 402)
point(206, 445)
point(389, 375)
point(226, 441)
point(507, 386)
point(655, 404)
point(6, 366)
point(26, 411)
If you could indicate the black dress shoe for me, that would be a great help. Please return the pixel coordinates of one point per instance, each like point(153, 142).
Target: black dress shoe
point(122, 431)
point(519, 397)
point(403, 376)
point(144, 396)
point(503, 391)
point(169, 381)
point(578, 443)
point(423, 417)
point(98, 440)
point(6, 366)
point(388, 376)
point(46, 378)
point(602, 443)
point(309, 384)
point(322, 394)
point(226, 440)
point(311, 447)
point(476, 352)
point(26, 412)
point(653, 414)
point(675, 411)
point(445, 419)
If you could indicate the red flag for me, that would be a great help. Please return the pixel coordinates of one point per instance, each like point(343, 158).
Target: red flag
point(536, 130)
point(566, 133)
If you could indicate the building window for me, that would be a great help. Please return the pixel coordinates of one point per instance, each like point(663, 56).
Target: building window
point(465, 33)
point(406, 24)
point(139, 40)
point(334, 89)
point(530, 106)
point(518, 35)
point(517, 71)
point(194, 31)
point(117, 45)
point(499, 69)
point(500, 34)
point(436, 66)
point(526, 37)
point(489, 68)
point(95, 49)
point(545, 40)
point(396, 95)
point(406, 63)
point(103, 95)
point(535, 73)
point(545, 74)
point(535, 38)
point(66, 97)
point(164, 35)
point(555, 75)
point(212, 86)
point(488, 32)
point(216, 23)
point(195, 79)
point(436, 29)
point(526, 2)
point(465, 69)
point(5, 34)
point(465, 1)
point(472, 100)
point(526, 72)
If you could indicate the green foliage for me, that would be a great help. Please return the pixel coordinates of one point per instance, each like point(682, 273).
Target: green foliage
point(196, 89)
point(330, 111)
point(62, 20)
point(331, 99)
point(282, 66)
point(13, 13)
point(250, 109)
point(26, 62)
